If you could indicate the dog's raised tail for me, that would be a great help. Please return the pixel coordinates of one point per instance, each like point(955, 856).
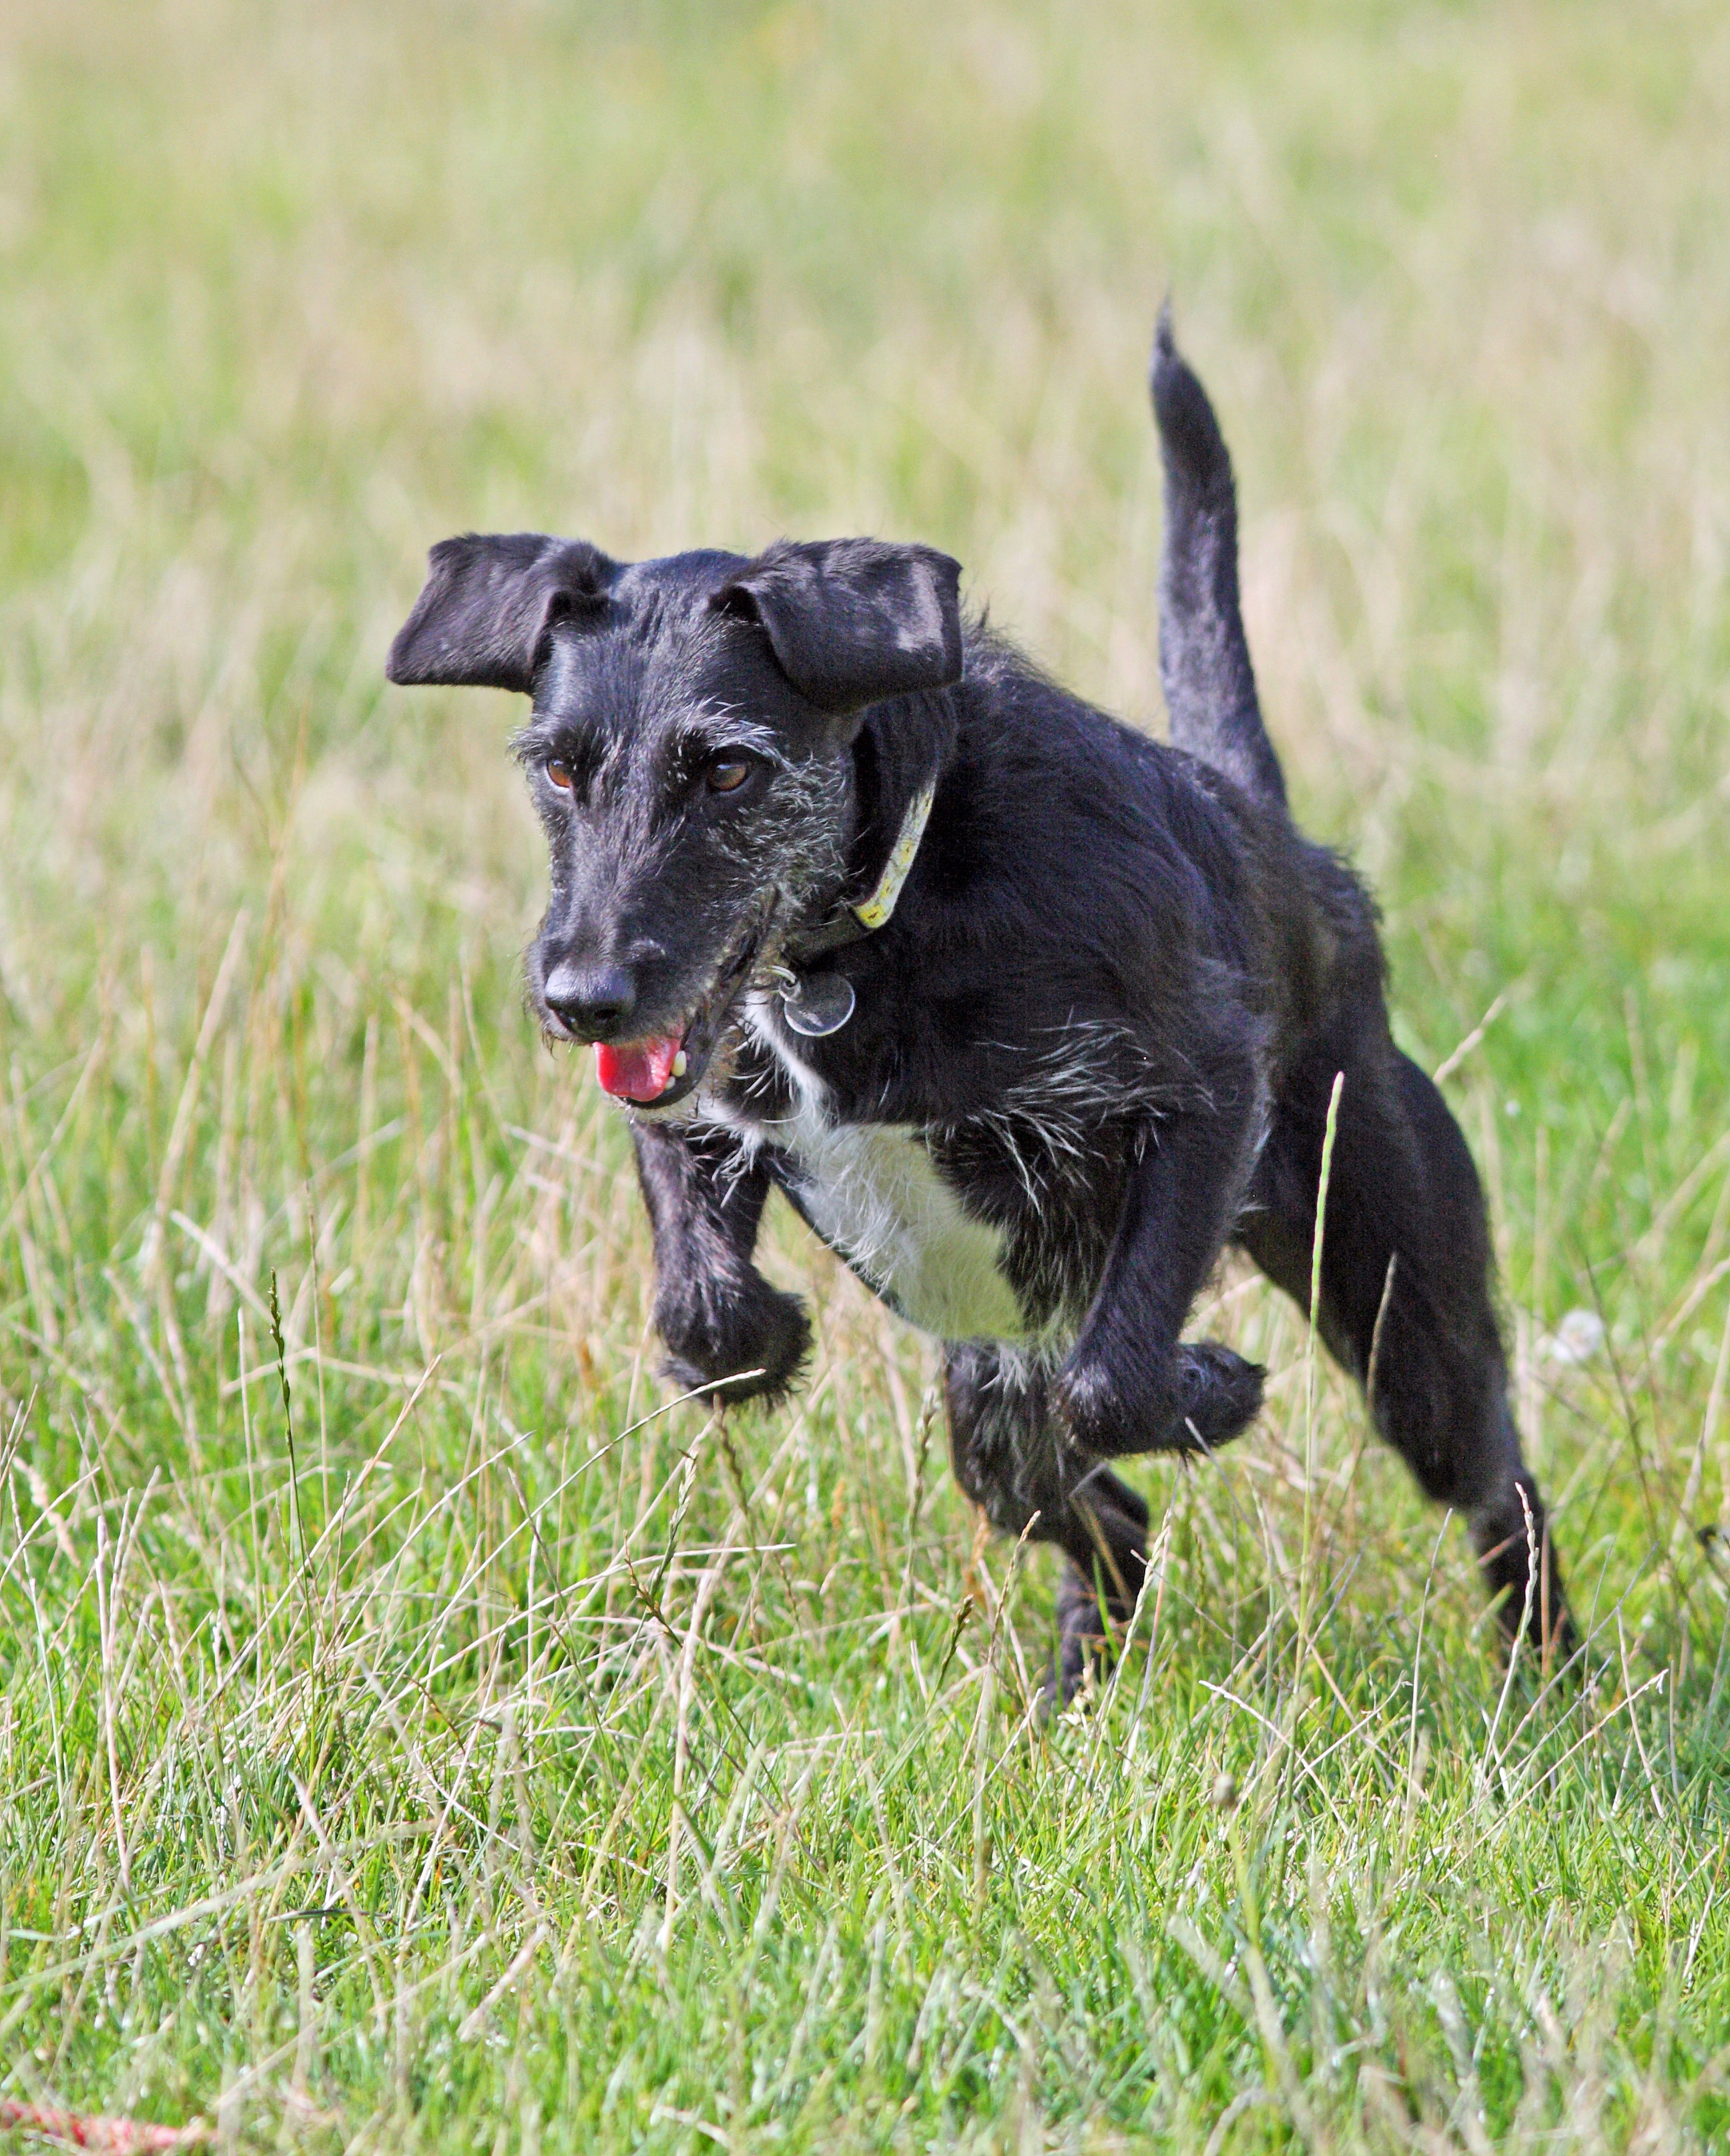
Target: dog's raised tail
point(1204, 656)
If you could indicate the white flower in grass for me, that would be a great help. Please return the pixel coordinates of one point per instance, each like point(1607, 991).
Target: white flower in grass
point(1577, 1339)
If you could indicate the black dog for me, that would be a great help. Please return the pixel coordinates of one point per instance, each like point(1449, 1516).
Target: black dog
point(1028, 1015)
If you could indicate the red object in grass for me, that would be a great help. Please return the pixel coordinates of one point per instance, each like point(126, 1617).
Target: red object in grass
point(110, 2137)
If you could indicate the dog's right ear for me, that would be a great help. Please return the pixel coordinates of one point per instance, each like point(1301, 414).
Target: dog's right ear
point(853, 621)
point(489, 602)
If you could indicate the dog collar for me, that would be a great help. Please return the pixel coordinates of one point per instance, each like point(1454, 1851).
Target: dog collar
point(818, 1003)
point(847, 924)
point(873, 911)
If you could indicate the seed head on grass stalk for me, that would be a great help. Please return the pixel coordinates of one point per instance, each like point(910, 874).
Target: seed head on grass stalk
point(1309, 1364)
point(297, 1525)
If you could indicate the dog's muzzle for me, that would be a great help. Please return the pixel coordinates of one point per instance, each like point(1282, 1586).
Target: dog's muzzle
point(661, 1069)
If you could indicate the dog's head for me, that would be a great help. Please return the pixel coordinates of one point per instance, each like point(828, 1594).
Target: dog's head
point(690, 753)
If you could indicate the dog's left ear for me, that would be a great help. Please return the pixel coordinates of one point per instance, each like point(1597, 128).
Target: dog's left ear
point(490, 603)
point(851, 621)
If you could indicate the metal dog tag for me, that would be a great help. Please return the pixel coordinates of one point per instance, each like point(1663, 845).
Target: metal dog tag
point(818, 1003)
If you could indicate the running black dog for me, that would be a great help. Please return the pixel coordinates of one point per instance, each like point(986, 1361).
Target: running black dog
point(1028, 1015)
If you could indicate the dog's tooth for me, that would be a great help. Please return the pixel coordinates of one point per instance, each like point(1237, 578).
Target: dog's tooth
point(680, 1066)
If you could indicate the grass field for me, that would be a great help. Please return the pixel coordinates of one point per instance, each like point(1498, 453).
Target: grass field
point(431, 1737)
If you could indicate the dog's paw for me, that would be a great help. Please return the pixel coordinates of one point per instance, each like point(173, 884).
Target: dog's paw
point(1218, 1395)
point(1206, 1396)
point(1096, 1411)
point(754, 1349)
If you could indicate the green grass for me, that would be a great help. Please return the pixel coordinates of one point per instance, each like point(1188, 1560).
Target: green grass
point(472, 1749)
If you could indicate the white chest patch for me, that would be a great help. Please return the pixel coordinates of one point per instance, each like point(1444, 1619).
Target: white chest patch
point(876, 1198)
point(873, 1193)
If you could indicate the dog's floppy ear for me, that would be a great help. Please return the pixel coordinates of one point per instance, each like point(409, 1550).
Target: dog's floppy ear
point(489, 599)
point(851, 621)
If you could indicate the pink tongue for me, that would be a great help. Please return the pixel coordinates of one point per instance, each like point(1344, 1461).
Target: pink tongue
point(636, 1070)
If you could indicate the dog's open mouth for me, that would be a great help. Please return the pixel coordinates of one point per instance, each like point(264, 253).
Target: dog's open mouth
point(640, 1070)
point(664, 1069)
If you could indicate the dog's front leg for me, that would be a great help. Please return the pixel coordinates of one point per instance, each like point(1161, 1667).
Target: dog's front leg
point(717, 1314)
point(1130, 1384)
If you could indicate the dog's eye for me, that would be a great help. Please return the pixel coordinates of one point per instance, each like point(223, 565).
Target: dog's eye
point(561, 775)
point(728, 773)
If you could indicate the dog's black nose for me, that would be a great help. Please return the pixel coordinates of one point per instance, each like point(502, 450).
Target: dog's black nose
point(593, 1001)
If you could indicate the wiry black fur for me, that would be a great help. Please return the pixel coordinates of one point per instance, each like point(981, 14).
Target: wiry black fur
point(1109, 1009)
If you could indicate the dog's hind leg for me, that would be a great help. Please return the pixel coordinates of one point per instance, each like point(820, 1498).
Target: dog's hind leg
point(1407, 1297)
point(1012, 1460)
